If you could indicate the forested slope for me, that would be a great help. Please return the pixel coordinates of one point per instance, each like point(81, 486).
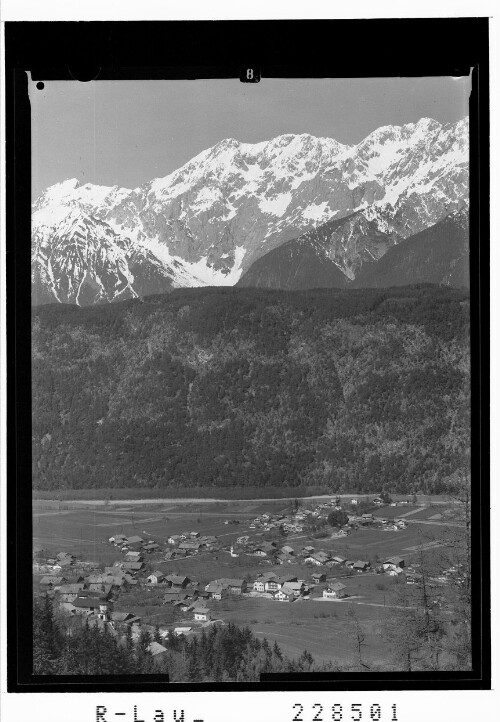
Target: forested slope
point(353, 389)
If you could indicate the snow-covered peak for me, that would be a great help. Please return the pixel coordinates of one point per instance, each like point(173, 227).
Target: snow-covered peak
point(210, 219)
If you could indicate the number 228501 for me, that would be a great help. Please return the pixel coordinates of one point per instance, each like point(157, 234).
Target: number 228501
point(345, 713)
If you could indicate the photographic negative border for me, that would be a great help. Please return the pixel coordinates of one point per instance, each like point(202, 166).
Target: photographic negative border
point(222, 49)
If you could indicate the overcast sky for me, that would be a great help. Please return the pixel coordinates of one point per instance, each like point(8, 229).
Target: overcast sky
point(127, 132)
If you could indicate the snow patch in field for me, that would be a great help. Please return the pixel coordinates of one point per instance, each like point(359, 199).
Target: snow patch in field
point(276, 206)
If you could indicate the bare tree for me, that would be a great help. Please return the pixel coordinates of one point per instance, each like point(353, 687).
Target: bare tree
point(358, 636)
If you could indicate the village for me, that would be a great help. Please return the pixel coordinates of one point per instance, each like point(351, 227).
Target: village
point(290, 557)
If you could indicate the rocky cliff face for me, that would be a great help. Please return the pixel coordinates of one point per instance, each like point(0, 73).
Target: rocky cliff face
point(207, 222)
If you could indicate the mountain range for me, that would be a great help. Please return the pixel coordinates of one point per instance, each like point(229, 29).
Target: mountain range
point(293, 212)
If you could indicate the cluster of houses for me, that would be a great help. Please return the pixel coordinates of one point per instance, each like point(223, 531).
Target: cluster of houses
point(364, 520)
point(180, 545)
point(295, 522)
point(82, 589)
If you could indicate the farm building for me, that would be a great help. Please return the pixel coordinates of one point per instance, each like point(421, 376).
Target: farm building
point(133, 566)
point(361, 566)
point(90, 605)
point(190, 546)
point(215, 590)
point(394, 562)
point(69, 592)
point(234, 586)
point(177, 581)
point(151, 547)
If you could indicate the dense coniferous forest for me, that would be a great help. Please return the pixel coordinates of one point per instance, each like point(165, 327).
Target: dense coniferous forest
point(350, 390)
point(219, 654)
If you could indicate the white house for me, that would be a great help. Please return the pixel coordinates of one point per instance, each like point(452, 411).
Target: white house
point(156, 578)
point(202, 614)
point(284, 595)
point(272, 585)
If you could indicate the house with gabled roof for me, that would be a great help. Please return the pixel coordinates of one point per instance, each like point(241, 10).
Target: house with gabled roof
point(52, 582)
point(394, 562)
point(273, 584)
point(91, 605)
point(318, 577)
point(69, 592)
point(335, 591)
point(191, 547)
point(285, 594)
point(215, 590)
point(157, 651)
point(201, 614)
point(361, 566)
point(123, 618)
point(295, 587)
point(156, 578)
point(133, 566)
point(177, 580)
point(234, 586)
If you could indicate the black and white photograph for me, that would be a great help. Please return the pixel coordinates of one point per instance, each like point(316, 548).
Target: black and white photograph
point(251, 392)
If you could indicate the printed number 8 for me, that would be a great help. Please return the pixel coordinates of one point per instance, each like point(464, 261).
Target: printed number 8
point(249, 73)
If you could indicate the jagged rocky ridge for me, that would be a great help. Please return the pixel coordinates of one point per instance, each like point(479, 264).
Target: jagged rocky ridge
point(439, 254)
point(209, 221)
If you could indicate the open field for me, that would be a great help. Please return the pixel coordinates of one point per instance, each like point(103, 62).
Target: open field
point(321, 628)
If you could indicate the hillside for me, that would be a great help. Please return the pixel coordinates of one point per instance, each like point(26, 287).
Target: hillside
point(439, 254)
point(294, 266)
point(325, 257)
point(353, 389)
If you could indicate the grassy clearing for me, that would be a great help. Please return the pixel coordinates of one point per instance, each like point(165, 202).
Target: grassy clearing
point(305, 625)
